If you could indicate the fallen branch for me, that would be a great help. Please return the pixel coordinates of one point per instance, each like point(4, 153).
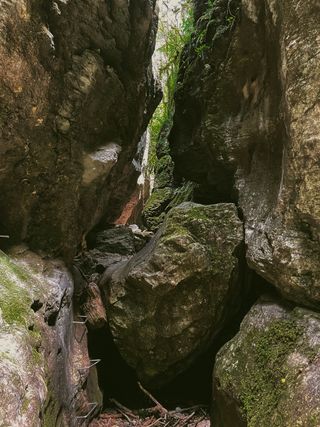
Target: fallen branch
point(154, 400)
point(126, 416)
point(157, 416)
point(193, 408)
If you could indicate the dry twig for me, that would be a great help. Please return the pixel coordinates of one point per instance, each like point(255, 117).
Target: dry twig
point(152, 417)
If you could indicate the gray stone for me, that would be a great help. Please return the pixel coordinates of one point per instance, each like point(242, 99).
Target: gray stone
point(98, 164)
point(113, 240)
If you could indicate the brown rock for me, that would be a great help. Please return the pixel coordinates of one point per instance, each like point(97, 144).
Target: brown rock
point(75, 87)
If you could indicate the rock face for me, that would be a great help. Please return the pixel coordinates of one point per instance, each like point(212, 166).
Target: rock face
point(42, 355)
point(167, 303)
point(269, 373)
point(76, 91)
point(246, 129)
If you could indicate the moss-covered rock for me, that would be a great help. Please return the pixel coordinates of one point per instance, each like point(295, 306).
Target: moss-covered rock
point(164, 172)
point(182, 194)
point(22, 386)
point(268, 375)
point(15, 300)
point(39, 357)
point(168, 302)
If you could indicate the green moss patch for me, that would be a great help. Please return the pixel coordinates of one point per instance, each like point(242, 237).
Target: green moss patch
point(15, 299)
point(164, 172)
point(260, 389)
point(154, 211)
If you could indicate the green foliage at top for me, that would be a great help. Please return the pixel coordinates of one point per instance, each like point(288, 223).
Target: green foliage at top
point(159, 118)
point(174, 37)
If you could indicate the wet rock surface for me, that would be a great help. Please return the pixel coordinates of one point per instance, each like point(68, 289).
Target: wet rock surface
point(167, 303)
point(246, 130)
point(268, 374)
point(92, 307)
point(76, 91)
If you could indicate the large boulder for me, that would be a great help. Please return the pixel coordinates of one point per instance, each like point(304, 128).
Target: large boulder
point(167, 303)
point(42, 353)
point(76, 92)
point(269, 373)
point(246, 129)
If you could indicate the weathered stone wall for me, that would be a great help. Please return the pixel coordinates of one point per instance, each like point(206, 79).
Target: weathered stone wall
point(76, 90)
point(76, 93)
point(246, 129)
